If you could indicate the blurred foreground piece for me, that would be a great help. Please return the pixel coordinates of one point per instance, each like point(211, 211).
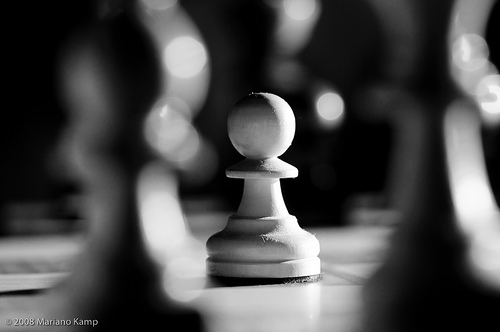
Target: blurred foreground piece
point(442, 270)
point(262, 242)
point(110, 81)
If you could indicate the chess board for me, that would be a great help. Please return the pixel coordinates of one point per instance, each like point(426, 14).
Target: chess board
point(134, 111)
point(30, 266)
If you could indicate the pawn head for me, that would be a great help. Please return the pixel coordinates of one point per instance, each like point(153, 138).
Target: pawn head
point(261, 126)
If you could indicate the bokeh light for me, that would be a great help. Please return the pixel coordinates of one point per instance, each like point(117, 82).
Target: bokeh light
point(159, 4)
point(185, 57)
point(295, 22)
point(330, 109)
point(470, 59)
point(488, 99)
point(170, 133)
point(299, 10)
point(470, 52)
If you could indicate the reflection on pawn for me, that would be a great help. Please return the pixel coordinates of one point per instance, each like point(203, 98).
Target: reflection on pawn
point(262, 242)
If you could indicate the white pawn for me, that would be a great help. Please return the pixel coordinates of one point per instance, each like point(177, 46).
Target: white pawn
point(262, 242)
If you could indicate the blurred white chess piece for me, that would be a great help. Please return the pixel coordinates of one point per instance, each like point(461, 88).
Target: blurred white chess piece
point(477, 212)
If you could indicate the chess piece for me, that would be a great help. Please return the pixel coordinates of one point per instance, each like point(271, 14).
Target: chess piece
point(262, 242)
point(427, 280)
point(109, 78)
point(388, 100)
point(313, 99)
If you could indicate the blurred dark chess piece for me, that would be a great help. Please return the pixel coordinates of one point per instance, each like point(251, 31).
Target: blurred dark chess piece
point(262, 243)
point(110, 80)
point(442, 271)
point(318, 105)
point(389, 99)
point(335, 144)
point(34, 197)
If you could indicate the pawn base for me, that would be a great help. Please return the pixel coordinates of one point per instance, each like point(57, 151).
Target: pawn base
point(232, 282)
point(294, 269)
point(270, 247)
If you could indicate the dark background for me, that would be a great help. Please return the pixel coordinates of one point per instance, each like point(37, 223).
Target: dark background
point(345, 50)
